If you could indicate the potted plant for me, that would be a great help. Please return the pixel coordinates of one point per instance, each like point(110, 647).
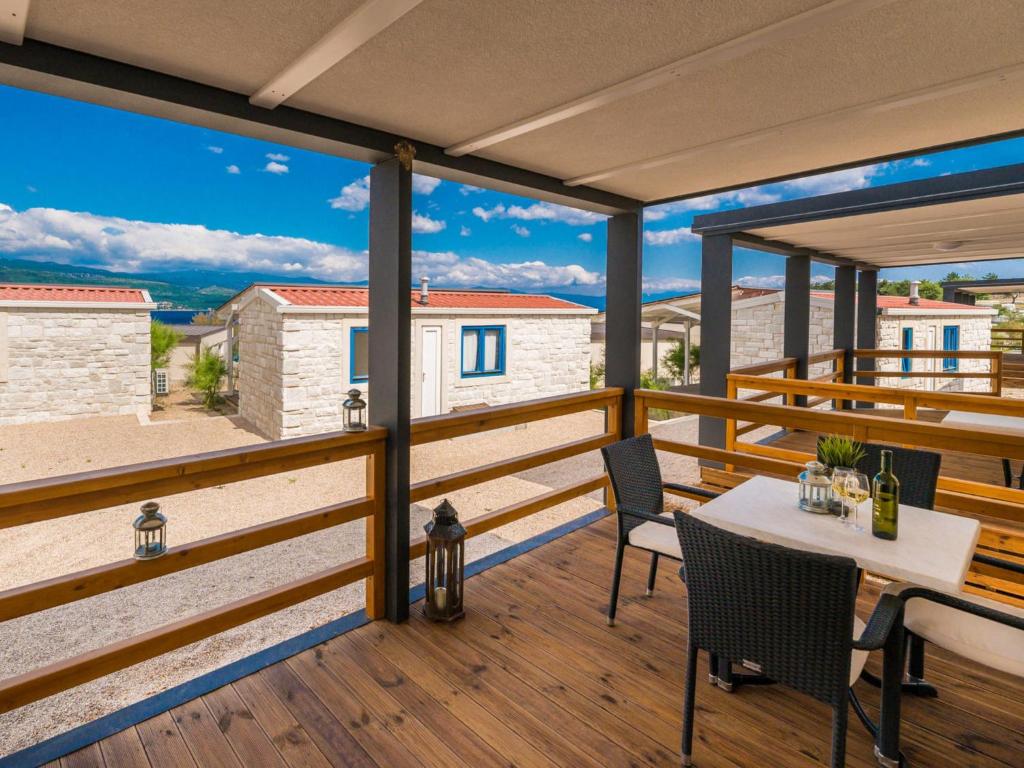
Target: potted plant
point(839, 451)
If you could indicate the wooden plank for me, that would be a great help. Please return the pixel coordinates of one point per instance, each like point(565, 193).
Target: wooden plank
point(164, 745)
point(249, 727)
point(376, 534)
point(203, 738)
point(55, 497)
point(432, 428)
point(772, 366)
point(87, 757)
point(929, 354)
point(771, 466)
point(61, 590)
point(59, 676)
point(124, 750)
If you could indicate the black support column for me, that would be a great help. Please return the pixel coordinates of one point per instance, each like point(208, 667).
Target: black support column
point(715, 328)
point(867, 310)
point(389, 359)
point(844, 319)
point(797, 315)
point(622, 327)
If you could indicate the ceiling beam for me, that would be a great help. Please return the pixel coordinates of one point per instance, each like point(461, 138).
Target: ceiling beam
point(64, 72)
point(365, 22)
point(747, 240)
point(13, 17)
point(876, 107)
point(715, 56)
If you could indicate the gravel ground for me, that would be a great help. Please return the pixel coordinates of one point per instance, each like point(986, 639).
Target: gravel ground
point(44, 550)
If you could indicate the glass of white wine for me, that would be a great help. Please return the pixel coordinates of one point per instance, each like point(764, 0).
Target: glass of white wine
point(858, 489)
point(839, 487)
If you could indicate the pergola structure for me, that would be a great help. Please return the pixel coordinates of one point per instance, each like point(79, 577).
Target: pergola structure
point(967, 291)
point(973, 216)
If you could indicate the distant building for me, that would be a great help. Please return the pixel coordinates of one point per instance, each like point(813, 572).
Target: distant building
point(68, 351)
point(194, 339)
point(301, 347)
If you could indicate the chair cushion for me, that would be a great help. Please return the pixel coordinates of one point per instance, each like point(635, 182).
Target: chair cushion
point(662, 539)
point(858, 658)
point(978, 639)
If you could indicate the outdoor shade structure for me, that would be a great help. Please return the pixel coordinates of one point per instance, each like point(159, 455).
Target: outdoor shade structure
point(974, 216)
point(604, 106)
point(967, 291)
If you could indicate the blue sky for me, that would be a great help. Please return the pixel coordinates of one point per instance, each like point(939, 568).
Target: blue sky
point(94, 186)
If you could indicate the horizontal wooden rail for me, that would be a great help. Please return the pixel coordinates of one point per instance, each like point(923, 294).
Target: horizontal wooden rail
point(772, 366)
point(894, 374)
point(432, 428)
point(49, 498)
point(769, 465)
point(61, 590)
point(53, 678)
point(438, 486)
point(963, 354)
point(830, 355)
point(520, 509)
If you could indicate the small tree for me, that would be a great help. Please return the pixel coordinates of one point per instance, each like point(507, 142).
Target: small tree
point(162, 339)
point(597, 374)
point(208, 371)
point(675, 359)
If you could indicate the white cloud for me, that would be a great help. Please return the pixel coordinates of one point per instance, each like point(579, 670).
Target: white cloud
point(654, 214)
point(469, 189)
point(216, 150)
point(774, 281)
point(233, 169)
point(661, 285)
point(837, 181)
point(30, 188)
point(424, 185)
point(465, 231)
point(277, 157)
point(450, 269)
point(586, 237)
point(275, 167)
point(920, 162)
point(426, 225)
point(540, 212)
point(354, 196)
point(520, 230)
point(669, 236)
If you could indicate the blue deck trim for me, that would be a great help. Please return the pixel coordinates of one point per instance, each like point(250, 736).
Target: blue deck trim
point(88, 733)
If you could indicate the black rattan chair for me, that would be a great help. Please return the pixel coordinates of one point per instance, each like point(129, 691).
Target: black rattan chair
point(639, 500)
point(917, 471)
point(788, 613)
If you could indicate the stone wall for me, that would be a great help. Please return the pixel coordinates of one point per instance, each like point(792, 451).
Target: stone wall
point(62, 364)
point(260, 394)
point(975, 334)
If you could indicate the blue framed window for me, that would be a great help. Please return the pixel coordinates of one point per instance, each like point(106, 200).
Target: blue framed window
point(950, 343)
point(483, 350)
point(359, 354)
point(908, 343)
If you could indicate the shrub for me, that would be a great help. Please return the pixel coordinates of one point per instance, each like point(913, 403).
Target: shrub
point(208, 371)
point(596, 374)
point(675, 360)
point(162, 339)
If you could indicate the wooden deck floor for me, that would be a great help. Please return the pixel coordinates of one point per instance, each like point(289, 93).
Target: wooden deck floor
point(534, 677)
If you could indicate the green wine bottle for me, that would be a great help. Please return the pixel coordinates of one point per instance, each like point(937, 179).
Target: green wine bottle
point(885, 505)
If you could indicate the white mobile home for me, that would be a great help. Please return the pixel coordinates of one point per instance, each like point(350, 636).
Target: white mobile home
point(301, 347)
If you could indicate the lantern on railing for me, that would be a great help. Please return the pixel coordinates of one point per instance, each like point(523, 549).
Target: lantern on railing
point(354, 412)
point(150, 532)
point(446, 550)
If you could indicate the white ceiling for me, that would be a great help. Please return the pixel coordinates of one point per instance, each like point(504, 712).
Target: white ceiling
point(747, 90)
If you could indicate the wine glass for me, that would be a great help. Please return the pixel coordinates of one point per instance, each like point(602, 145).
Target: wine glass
point(839, 475)
point(857, 490)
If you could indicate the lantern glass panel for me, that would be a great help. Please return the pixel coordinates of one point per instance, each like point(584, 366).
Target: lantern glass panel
point(815, 489)
point(445, 565)
point(354, 412)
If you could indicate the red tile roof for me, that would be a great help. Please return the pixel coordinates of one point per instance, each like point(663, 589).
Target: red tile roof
point(903, 302)
point(70, 293)
point(343, 296)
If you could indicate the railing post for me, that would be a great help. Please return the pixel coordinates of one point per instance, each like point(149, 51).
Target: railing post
point(840, 377)
point(867, 311)
point(731, 393)
point(622, 329)
point(640, 419)
point(844, 324)
point(997, 378)
point(376, 485)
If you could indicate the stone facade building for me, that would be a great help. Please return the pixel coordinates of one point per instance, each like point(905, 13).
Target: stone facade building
point(69, 351)
point(302, 347)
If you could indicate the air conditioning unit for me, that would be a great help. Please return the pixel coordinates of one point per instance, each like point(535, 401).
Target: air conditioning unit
point(161, 382)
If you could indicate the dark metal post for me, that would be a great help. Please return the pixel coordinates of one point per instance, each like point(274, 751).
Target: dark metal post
point(867, 311)
point(797, 316)
point(389, 360)
point(622, 327)
point(715, 329)
point(844, 320)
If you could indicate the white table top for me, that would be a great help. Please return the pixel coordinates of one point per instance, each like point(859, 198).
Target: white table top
point(933, 549)
point(1014, 424)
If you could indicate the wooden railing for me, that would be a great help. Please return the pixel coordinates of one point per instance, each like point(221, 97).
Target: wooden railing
point(57, 497)
point(434, 428)
point(1006, 339)
point(994, 374)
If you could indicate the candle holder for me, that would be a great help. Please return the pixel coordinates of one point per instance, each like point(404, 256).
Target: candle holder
point(446, 557)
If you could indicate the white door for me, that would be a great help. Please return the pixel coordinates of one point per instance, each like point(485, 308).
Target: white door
point(932, 363)
point(430, 367)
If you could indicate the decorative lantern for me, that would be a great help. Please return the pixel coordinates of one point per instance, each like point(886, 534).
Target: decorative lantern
point(816, 489)
point(446, 549)
point(354, 412)
point(150, 532)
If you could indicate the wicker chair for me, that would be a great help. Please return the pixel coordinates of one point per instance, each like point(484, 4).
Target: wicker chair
point(639, 499)
point(918, 471)
point(755, 602)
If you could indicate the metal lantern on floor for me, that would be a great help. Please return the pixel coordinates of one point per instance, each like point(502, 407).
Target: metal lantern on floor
point(150, 532)
point(446, 550)
point(354, 412)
